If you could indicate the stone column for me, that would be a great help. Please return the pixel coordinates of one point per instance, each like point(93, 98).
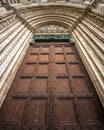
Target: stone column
point(5, 1)
point(9, 1)
point(1, 2)
point(21, 1)
point(12, 1)
point(16, 1)
point(52, 0)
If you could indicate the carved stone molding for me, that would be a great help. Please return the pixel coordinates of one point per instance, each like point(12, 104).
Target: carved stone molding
point(7, 21)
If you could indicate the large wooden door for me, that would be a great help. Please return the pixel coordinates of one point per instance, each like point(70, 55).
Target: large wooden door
point(51, 91)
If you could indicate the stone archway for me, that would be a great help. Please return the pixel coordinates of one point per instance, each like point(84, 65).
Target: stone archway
point(86, 30)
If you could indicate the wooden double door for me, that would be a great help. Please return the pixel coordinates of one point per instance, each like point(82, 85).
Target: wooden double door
point(51, 91)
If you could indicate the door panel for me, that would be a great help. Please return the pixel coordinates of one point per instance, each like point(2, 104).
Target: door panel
point(37, 111)
point(71, 57)
point(15, 110)
point(44, 57)
point(68, 49)
point(23, 85)
point(45, 50)
point(87, 106)
point(29, 69)
point(40, 85)
point(63, 115)
point(59, 57)
point(63, 85)
point(61, 69)
point(35, 50)
point(43, 68)
point(32, 58)
point(74, 69)
point(58, 50)
point(80, 85)
point(52, 91)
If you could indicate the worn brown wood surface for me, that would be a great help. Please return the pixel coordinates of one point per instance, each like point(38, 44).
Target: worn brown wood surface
point(52, 91)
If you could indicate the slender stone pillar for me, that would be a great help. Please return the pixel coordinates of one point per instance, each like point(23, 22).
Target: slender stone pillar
point(12, 1)
point(9, 1)
point(1, 2)
point(16, 1)
point(21, 1)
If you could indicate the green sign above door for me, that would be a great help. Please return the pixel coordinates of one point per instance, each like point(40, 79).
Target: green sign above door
point(52, 37)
